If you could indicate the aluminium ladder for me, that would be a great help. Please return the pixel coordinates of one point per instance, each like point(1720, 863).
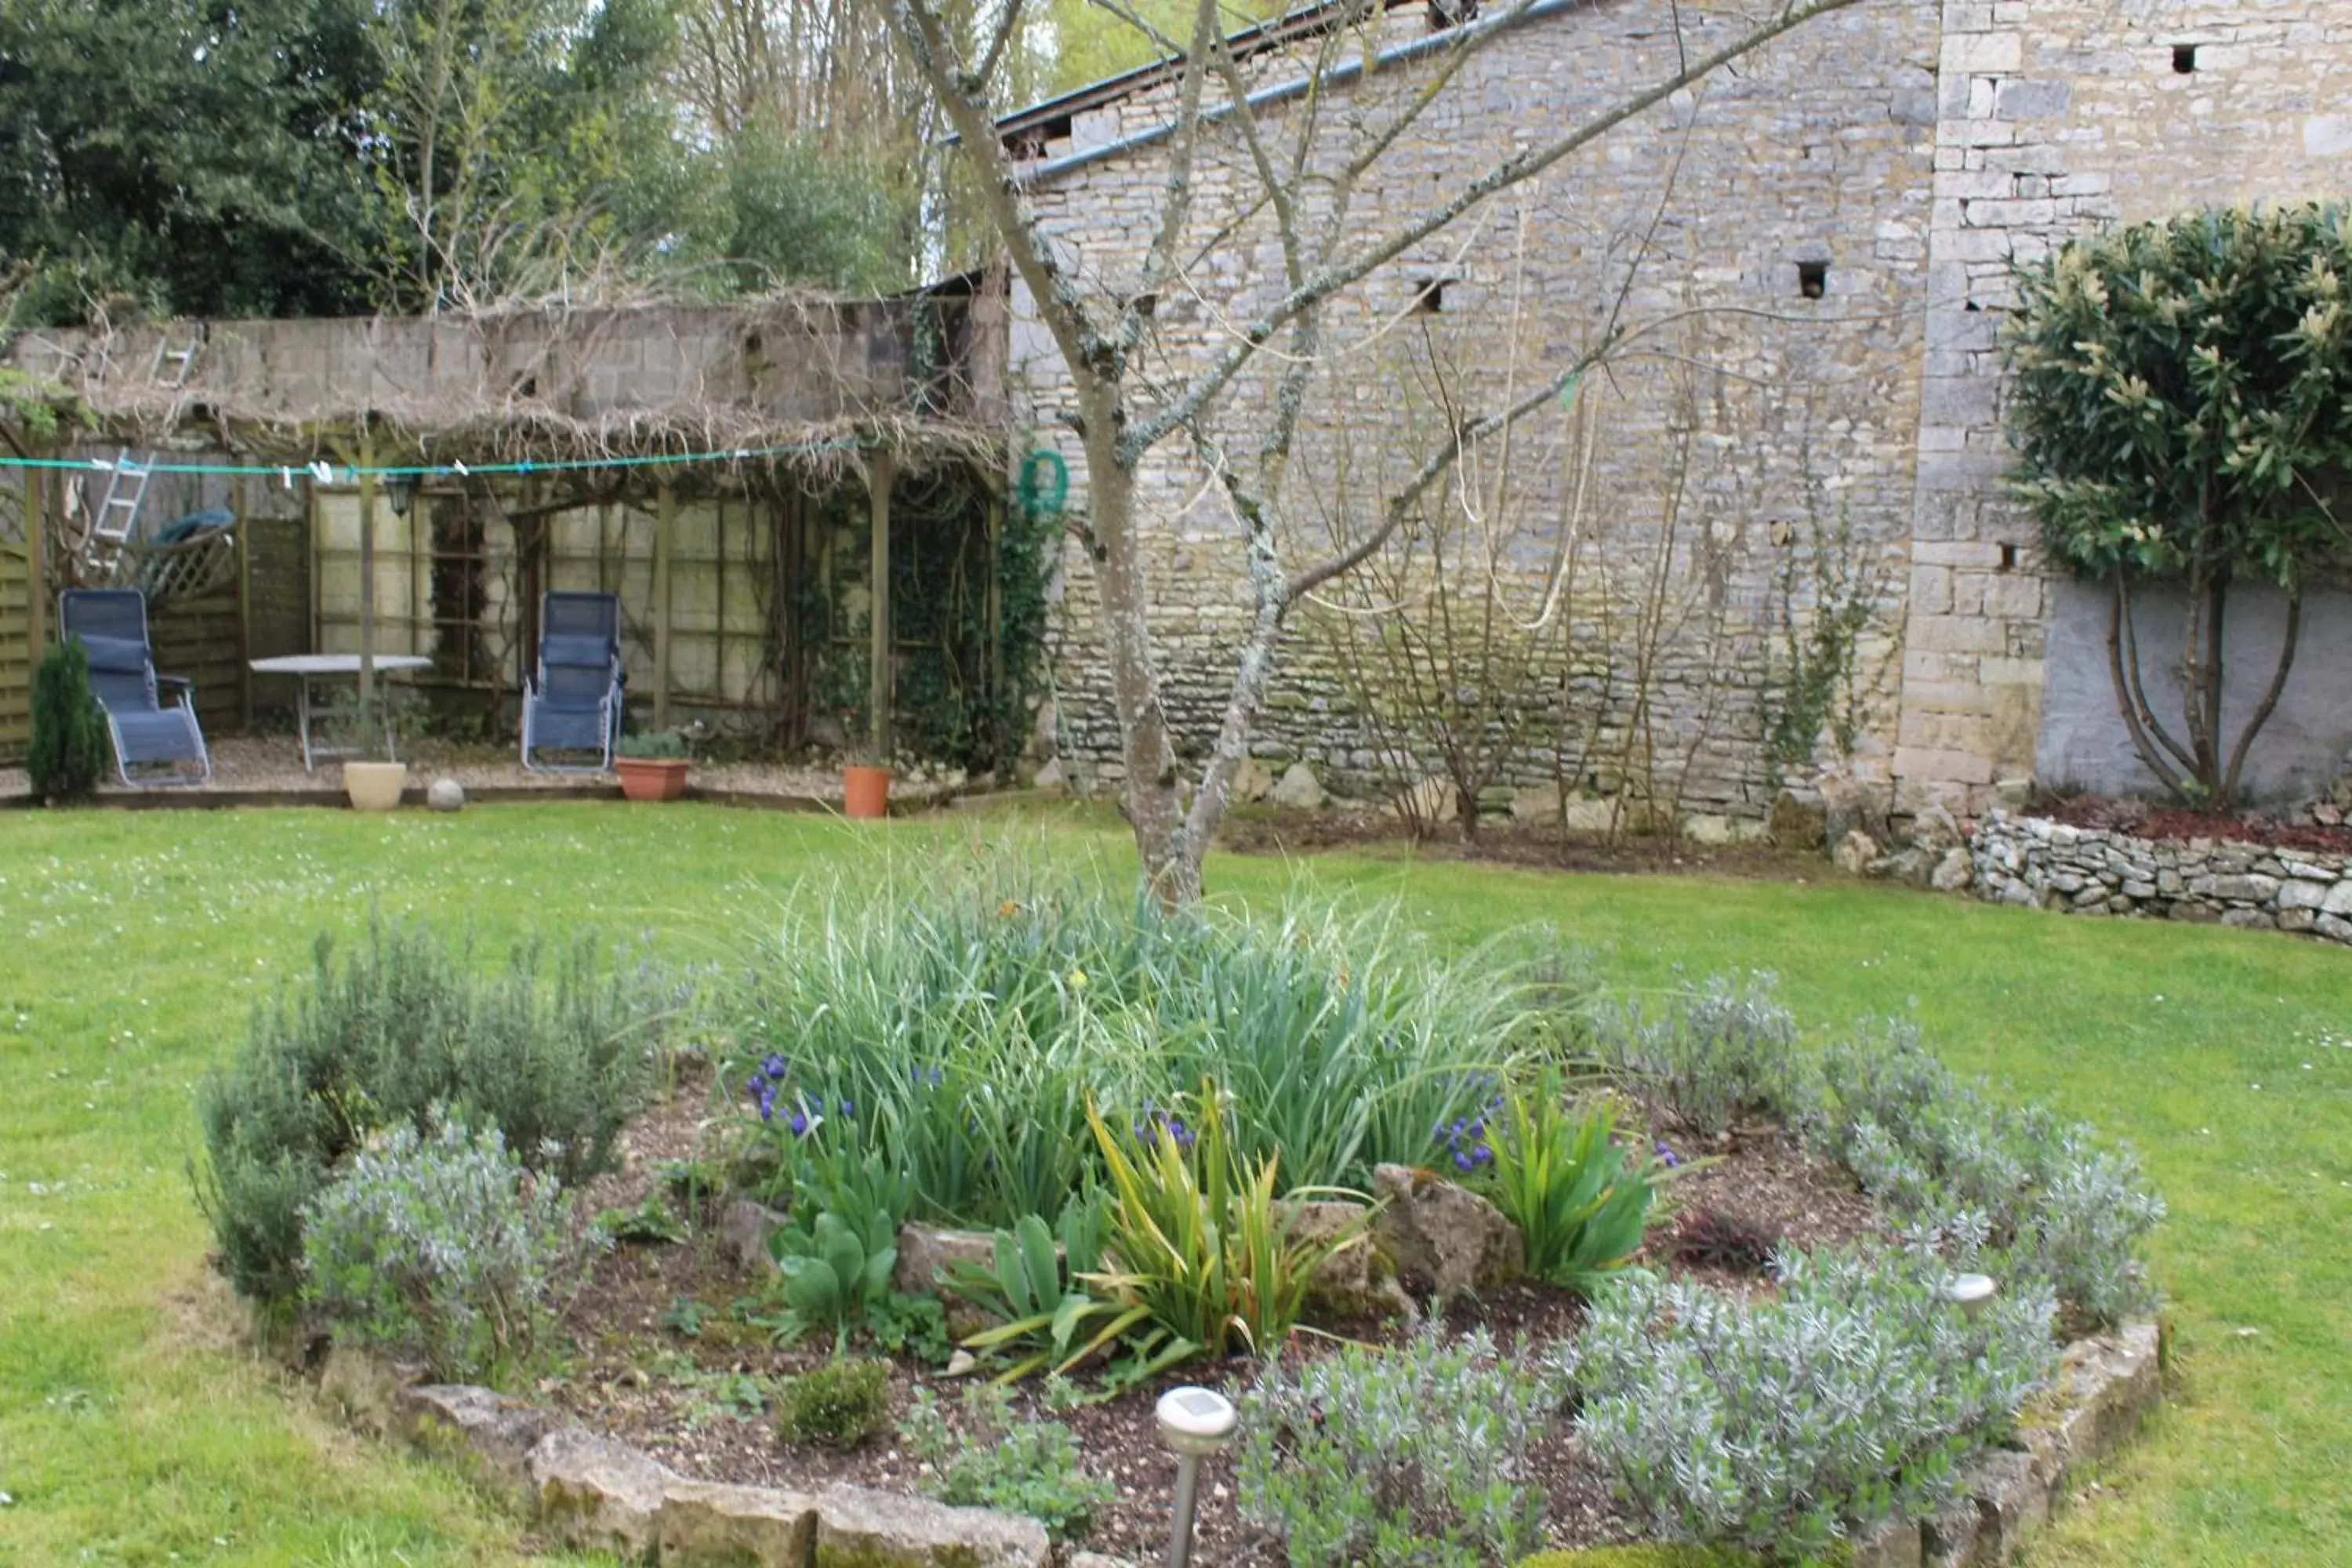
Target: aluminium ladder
point(115, 519)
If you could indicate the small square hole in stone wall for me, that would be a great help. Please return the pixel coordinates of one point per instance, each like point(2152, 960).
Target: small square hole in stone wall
point(1812, 278)
point(2009, 557)
point(2184, 57)
point(1429, 295)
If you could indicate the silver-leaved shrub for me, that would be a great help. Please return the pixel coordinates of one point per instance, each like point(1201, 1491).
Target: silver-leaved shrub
point(1776, 1424)
point(2050, 1204)
point(443, 1248)
point(1718, 1052)
point(1415, 1454)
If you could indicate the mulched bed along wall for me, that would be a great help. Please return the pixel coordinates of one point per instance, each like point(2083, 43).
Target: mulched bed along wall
point(2179, 825)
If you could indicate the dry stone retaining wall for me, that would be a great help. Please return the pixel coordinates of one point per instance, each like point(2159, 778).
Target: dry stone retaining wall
point(2033, 861)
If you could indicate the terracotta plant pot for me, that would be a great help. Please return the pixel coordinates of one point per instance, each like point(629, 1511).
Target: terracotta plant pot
point(651, 778)
point(866, 792)
point(374, 786)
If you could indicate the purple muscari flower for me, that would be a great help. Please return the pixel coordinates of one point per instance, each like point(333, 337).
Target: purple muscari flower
point(776, 1066)
point(845, 1107)
point(1667, 1155)
point(800, 1123)
point(752, 1085)
point(1462, 1161)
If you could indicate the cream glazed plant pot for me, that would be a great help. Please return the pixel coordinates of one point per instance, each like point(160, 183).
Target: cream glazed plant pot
point(374, 786)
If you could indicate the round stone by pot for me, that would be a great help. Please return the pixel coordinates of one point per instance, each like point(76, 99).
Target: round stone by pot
point(446, 794)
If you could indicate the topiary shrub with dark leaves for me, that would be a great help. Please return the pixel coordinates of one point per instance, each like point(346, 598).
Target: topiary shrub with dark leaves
point(2176, 402)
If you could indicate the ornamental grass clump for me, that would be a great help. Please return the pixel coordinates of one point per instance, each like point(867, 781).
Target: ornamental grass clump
point(552, 1053)
point(1200, 1258)
point(970, 1021)
point(1776, 1424)
point(443, 1247)
point(1416, 1455)
point(1581, 1199)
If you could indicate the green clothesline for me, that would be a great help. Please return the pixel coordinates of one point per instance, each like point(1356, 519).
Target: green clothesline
point(328, 473)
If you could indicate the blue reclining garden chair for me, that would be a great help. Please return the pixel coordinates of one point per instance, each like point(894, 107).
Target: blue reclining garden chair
point(147, 735)
point(572, 704)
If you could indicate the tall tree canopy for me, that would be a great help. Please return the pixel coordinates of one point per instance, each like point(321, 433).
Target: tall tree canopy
point(316, 157)
point(184, 154)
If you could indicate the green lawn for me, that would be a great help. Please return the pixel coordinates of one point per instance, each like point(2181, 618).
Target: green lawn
point(133, 1429)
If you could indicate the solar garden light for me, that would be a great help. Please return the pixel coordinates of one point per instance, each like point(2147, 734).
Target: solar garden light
point(1193, 1422)
point(1970, 1292)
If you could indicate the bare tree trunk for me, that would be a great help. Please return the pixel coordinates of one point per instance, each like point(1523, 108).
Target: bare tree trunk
point(2127, 697)
point(1171, 868)
point(2263, 710)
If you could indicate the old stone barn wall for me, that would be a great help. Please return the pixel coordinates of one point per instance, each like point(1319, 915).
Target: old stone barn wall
point(1892, 157)
point(1765, 409)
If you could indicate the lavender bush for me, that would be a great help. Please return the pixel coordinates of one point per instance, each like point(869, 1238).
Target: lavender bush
point(442, 1248)
point(1415, 1456)
point(2045, 1202)
point(1775, 1423)
point(1722, 1052)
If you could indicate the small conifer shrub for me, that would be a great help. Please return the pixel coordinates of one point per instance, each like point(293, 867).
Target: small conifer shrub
point(68, 750)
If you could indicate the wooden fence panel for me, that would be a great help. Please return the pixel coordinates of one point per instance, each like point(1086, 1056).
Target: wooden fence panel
point(200, 636)
point(17, 654)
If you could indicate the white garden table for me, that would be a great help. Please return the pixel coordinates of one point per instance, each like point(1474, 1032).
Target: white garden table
point(307, 667)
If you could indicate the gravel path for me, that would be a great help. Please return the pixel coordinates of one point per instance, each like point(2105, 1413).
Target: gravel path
point(243, 763)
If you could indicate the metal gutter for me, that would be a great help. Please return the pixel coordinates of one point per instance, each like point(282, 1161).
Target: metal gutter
point(1306, 21)
point(1282, 92)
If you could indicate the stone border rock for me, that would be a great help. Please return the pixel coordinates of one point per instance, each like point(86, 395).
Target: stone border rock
point(2107, 1386)
point(2033, 861)
point(592, 1492)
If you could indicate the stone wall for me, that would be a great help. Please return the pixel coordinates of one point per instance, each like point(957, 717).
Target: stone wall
point(806, 362)
point(2304, 748)
point(1915, 147)
point(2054, 115)
point(1732, 441)
point(2031, 861)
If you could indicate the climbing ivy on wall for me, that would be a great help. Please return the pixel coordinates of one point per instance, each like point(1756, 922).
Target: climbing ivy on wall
point(947, 710)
